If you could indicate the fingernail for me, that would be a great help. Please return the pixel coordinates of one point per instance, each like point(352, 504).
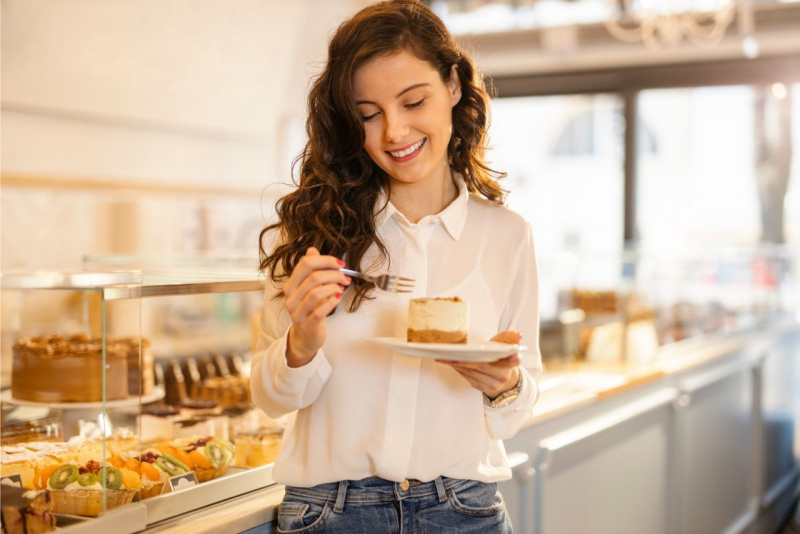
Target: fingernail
point(338, 295)
point(348, 279)
point(340, 262)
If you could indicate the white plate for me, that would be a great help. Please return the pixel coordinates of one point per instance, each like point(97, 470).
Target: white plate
point(473, 351)
point(157, 394)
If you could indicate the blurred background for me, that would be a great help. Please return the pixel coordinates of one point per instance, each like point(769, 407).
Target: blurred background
point(654, 146)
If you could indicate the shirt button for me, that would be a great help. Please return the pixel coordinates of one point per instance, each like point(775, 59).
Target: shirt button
point(404, 485)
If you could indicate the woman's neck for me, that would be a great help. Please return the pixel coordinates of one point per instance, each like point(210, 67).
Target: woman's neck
point(421, 199)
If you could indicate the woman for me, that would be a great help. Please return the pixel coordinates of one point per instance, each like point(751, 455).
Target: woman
point(393, 179)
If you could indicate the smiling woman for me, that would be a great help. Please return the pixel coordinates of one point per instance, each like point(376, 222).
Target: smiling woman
point(407, 110)
point(393, 178)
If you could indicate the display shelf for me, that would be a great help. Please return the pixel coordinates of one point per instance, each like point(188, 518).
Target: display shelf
point(130, 402)
point(237, 481)
point(57, 280)
point(132, 285)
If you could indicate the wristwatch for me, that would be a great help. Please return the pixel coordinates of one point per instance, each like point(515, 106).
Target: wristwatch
point(506, 397)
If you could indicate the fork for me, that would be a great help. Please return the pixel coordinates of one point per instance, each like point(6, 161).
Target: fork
point(385, 282)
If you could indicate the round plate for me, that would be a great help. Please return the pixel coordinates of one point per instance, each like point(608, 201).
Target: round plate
point(473, 351)
point(157, 394)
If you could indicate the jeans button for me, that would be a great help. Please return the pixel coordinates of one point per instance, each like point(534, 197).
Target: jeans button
point(404, 485)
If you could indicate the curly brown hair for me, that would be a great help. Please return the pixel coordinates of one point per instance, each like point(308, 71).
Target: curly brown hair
point(333, 207)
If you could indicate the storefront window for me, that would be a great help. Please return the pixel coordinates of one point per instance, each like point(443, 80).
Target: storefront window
point(563, 156)
point(722, 173)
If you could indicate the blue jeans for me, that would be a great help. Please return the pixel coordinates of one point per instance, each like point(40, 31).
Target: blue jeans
point(376, 506)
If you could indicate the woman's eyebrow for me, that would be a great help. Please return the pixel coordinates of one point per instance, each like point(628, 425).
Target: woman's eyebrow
point(407, 89)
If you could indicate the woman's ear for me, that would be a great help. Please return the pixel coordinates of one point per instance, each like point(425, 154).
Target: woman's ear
point(454, 85)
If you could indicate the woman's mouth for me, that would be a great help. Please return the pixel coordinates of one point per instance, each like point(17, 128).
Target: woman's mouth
point(409, 152)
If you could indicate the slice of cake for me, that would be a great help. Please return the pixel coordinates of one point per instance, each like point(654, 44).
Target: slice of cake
point(438, 320)
point(26, 511)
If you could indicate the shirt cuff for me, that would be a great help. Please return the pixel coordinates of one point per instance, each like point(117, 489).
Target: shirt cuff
point(527, 393)
point(318, 365)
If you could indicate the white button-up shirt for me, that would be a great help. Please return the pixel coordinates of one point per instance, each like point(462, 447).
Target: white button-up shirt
point(359, 410)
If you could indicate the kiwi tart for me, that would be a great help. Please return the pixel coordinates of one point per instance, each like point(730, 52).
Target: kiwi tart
point(209, 456)
point(78, 490)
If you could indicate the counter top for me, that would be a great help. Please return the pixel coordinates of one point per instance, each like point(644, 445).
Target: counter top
point(238, 515)
point(566, 386)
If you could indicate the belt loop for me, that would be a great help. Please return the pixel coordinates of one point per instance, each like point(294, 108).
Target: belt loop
point(440, 489)
point(340, 496)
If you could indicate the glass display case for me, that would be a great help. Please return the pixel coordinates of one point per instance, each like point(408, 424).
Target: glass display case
point(130, 390)
point(625, 307)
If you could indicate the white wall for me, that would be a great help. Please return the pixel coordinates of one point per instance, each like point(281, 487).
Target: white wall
point(175, 94)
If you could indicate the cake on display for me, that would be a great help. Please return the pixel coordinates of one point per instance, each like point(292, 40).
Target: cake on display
point(57, 368)
point(26, 511)
point(68, 369)
point(438, 320)
point(141, 378)
point(258, 447)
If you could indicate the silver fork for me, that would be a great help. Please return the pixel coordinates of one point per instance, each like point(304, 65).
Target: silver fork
point(385, 282)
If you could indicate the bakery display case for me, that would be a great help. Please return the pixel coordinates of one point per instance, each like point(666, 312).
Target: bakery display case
point(624, 307)
point(127, 392)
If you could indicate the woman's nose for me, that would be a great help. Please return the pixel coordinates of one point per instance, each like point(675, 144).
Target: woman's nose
point(395, 128)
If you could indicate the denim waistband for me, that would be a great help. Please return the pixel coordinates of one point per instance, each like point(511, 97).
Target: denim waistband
point(374, 489)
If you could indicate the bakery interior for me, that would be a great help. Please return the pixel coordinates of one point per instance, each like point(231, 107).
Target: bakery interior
point(654, 146)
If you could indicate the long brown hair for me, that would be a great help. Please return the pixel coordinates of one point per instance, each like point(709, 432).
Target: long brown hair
point(334, 205)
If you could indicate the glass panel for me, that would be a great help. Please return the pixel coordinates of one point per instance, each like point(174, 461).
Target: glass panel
point(719, 168)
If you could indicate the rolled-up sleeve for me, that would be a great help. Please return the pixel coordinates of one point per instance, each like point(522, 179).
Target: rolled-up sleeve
point(521, 314)
point(277, 388)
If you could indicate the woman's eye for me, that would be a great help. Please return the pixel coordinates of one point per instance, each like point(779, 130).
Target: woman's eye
point(415, 105)
point(369, 117)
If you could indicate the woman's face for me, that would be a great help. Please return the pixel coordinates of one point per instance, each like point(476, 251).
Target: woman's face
point(408, 116)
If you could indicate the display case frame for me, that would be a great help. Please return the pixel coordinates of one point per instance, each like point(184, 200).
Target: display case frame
point(134, 286)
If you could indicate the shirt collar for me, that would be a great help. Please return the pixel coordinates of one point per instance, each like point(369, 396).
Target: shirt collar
point(453, 217)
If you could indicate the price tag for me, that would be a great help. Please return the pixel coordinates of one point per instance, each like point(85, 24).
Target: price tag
point(12, 480)
point(180, 482)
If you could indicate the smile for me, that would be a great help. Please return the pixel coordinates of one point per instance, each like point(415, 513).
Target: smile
point(408, 152)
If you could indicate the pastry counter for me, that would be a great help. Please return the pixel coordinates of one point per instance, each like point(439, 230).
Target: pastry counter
point(573, 395)
point(115, 404)
point(643, 384)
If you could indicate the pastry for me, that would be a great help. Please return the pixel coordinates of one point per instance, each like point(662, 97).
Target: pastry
point(78, 489)
point(141, 375)
point(438, 320)
point(259, 447)
point(68, 369)
point(25, 511)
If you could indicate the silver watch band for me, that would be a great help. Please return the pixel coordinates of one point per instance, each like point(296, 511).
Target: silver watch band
point(506, 397)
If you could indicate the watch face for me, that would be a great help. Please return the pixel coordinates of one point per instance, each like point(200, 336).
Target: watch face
point(505, 401)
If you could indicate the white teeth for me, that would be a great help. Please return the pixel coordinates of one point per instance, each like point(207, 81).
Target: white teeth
point(409, 150)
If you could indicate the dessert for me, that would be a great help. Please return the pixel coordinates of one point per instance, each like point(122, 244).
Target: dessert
point(191, 374)
point(78, 489)
point(157, 422)
point(438, 320)
point(68, 369)
point(24, 424)
point(259, 447)
point(174, 383)
point(26, 511)
point(207, 456)
point(141, 375)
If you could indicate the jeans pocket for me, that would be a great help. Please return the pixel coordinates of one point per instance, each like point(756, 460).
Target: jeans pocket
point(476, 499)
point(296, 517)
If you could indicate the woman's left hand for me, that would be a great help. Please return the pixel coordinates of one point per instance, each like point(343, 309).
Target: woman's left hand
point(492, 378)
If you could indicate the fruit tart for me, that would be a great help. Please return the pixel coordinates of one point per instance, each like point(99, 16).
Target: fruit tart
point(152, 469)
point(207, 456)
point(78, 490)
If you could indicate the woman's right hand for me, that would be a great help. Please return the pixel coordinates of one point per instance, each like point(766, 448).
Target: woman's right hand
point(313, 290)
